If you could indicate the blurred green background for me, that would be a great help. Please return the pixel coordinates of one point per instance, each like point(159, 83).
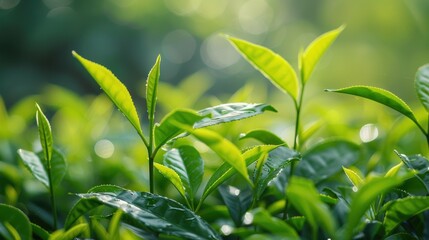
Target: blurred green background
point(383, 44)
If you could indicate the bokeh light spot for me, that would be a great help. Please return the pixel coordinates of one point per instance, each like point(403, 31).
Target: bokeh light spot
point(104, 148)
point(217, 53)
point(255, 16)
point(8, 4)
point(178, 46)
point(368, 133)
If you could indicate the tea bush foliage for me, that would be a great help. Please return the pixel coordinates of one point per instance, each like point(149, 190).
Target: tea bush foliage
point(247, 167)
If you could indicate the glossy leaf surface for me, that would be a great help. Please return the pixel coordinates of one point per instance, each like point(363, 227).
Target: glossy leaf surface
point(45, 134)
point(33, 163)
point(271, 65)
point(172, 176)
point(168, 129)
point(402, 209)
point(354, 177)
point(420, 164)
point(264, 136)
point(17, 219)
point(305, 198)
point(327, 158)
point(277, 160)
point(152, 89)
point(315, 51)
point(114, 88)
point(231, 112)
point(237, 201)
point(422, 85)
point(157, 213)
point(381, 96)
point(188, 164)
point(58, 167)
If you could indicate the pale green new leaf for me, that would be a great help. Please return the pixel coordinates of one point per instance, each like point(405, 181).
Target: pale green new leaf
point(114, 88)
point(304, 197)
point(36, 167)
point(70, 234)
point(354, 177)
point(172, 176)
point(381, 96)
point(263, 219)
point(314, 51)
point(271, 65)
point(402, 209)
point(225, 171)
point(188, 164)
point(422, 85)
point(45, 134)
point(152, 89)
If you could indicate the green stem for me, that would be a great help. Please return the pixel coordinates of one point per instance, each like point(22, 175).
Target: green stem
point(52, 196)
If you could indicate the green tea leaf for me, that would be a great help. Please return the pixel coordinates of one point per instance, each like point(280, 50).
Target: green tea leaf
point(237, 201)
point(422, 85)
point(58, 167)
point(315, 51)
point(381, 96)
point(421, 166)
point(70, 234)
point(393, 171)
point(398, 211)
point(36, 167)
point(115, 225)
point(114, 88)
point(17, 219)
point(167, 130)
point(327, 158)
point(271, 65)
point(172, 176)
point(263, 219)
point(225, 171)
point(354, 178)
point(187, 162)
point(264, 136)
point(152, 89)
point(158, 213)
point(363, 198)
point(85, 205)
point(304, 197)
point(278, 159)
point(39, 232)
point(230, 112)
point(45, 134)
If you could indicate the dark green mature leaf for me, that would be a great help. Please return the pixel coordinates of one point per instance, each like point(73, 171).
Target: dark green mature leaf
point(17, 219)
point(422, 85)
point(45, 134)
point(305, 198)
point(157, 213)
point(381, 96)
point(402, 209)
point(327, 158)
point(362, 199)
point(225, 171)
point(271, 65)
point(167, 129)
point(114, 88)
point(263, 219)
point(401, 236)
point(187, 162)
point(315, 51)
point(58, 167)
point(230, 112)
point(33, 163)
point(173, 177)
point(85, 205)
point(152, 89)
point(264, 136)
point(237, 201)
point(278, 159)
